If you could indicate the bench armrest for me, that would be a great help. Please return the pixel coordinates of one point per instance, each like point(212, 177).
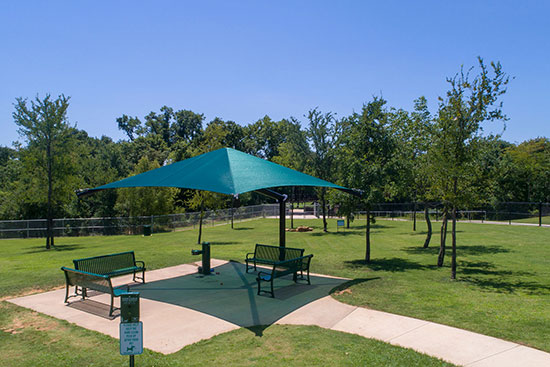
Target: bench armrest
point(139, 261)
point(250, 253)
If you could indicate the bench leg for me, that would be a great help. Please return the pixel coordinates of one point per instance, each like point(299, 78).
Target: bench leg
point(136, 278)
point(67, 294)
point(272, 292)
point(112, 300)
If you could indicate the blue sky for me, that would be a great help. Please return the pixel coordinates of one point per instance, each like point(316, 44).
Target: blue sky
point(241, 60)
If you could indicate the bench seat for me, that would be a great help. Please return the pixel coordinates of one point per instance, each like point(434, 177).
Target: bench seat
point(282, 268)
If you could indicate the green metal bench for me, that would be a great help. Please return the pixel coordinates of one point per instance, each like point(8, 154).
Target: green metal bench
point(112, 265)
point(282, 268)
point(269, 255)
point(86, 280)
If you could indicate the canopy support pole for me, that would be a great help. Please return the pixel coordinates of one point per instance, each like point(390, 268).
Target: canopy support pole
point(281, 199)
point(282, 223)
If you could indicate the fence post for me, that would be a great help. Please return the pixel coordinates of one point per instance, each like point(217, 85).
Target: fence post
point(540, 214)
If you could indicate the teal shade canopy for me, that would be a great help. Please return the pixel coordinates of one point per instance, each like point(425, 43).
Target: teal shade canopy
point(225, 171)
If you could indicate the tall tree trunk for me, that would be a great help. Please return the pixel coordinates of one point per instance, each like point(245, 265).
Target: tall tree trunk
point(49, 230)
point(443, 238)
point(429, 223)
point(367, 253)
point(347, 220)
point(324, 205)
point(453, 259)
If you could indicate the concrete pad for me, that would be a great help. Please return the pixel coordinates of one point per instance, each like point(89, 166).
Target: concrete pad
point(519, 355)
point(325, 312)
point(166, 328)
point(452, 344)
point(378, 325)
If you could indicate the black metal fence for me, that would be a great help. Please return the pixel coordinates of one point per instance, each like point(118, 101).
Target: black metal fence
point(131, 225)
point(528, 213)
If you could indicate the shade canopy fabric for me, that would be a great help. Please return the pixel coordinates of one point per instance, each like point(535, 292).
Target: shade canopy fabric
point(226, 171)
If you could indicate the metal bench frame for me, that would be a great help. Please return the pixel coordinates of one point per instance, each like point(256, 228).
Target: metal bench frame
point(282, 268)
point(269, 255)
point(86, 280)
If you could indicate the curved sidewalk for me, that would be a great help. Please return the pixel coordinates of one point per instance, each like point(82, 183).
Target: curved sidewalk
point(454, 345)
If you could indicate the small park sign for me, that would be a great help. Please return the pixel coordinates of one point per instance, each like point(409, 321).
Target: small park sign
point(131, 338)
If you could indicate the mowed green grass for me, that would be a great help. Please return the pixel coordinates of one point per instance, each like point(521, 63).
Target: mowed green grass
point(28, 339)
point(503, 286)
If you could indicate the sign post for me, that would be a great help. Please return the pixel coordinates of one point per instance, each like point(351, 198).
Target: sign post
point(339, 223)
point(131, 329)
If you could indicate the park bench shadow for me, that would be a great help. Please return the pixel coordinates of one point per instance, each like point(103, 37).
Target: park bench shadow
point(95, 308)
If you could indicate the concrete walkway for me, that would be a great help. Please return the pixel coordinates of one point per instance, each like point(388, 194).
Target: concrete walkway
point(168, 328)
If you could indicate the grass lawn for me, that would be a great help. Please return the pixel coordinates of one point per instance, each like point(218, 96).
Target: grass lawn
point(30, 339)
point(503, 288)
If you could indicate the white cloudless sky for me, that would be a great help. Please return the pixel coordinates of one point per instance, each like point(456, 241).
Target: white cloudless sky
point(242, 60)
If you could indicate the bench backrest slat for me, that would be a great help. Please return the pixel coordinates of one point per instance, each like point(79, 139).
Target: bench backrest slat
point(106, 264)
point(273, 253)
point(88, 280)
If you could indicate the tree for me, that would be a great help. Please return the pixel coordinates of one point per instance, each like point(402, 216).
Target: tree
point(457, 135)
point(43, 123)
point(141, 201)
point(412, 131)
point(10, 171)
point(293, 153)
point(131, 126)
point(322, 134)
point(366, 158)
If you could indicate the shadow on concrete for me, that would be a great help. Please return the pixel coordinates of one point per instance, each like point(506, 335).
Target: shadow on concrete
point(230, 293)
